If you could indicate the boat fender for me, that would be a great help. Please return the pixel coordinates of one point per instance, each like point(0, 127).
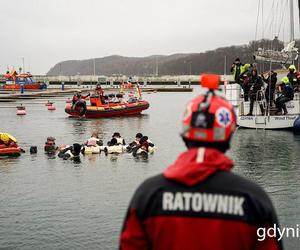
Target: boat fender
point(33, 150)
point(296, 126)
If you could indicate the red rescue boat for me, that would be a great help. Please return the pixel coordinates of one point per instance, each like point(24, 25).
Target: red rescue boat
point(108, 106)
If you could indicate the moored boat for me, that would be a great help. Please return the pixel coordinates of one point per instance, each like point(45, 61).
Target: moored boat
point(15, 81)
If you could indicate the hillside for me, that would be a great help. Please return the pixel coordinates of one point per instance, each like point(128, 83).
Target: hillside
point(177, 64)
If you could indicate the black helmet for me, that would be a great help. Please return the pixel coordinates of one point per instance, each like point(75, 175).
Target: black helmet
point(139, 135)
point(116, 134)
point(144, 139)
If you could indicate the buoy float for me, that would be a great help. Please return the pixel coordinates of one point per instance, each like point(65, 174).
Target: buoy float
point(51, 107)
point(21, 110)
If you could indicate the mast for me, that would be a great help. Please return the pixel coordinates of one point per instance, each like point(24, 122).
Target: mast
point(292, 20)
point(299, 12)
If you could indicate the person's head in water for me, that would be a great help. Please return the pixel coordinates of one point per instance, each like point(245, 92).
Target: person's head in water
point(95, 135)
point(113, 142)
point(138, 136)
point(144, 139)
point(209, 120)
point(116, 134)
point(76, 149)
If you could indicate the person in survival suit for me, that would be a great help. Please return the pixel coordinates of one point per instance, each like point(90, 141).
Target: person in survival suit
point(8, 141)
point(197, 202)
point(79, 103)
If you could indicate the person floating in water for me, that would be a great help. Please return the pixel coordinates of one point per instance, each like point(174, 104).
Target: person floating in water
point(118, 138)
point(50, 146)
point(70, 152)
point(94, 140)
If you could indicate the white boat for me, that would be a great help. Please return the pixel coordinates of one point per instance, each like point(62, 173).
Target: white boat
point(268, 120)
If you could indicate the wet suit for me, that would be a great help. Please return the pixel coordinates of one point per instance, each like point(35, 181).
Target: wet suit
point(286, 96)
point(198, 203)
point(270, 90)
point(256, 84)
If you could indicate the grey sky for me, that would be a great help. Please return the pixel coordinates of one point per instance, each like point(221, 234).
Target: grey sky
point(45, 32)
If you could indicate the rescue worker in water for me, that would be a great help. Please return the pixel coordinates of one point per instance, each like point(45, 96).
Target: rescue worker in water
point(198, 203)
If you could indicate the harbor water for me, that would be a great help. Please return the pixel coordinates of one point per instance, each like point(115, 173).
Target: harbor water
point(50, 203)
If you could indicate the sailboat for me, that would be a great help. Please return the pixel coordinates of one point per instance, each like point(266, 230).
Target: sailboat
point(284, 57)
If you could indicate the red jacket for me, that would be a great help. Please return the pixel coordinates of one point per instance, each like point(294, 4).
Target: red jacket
point(198, 204)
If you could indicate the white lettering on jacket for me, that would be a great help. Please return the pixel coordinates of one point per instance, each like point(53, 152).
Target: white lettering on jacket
point(203, 202)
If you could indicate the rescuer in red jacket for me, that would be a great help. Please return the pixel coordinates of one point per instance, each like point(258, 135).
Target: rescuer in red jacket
point(198, 203)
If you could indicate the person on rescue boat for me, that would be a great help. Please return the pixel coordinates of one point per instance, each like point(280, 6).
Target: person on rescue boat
point(255, 94)
point(271, 81)
point(78, 96)
point(198, 202)
point(293, 76)
point(238, 69)
point(7, 140)
point(79, 103)
point(287, 94)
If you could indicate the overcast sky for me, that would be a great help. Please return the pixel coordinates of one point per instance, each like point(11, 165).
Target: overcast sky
point(45, 32)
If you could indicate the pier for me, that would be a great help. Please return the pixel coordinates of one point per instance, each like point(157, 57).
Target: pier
point(167, 80)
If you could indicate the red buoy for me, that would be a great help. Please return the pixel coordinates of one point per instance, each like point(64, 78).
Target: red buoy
point(21, 110)
point(51, 107)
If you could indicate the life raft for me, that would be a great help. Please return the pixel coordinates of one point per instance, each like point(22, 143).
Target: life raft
point(109, 110)
point(6, 151)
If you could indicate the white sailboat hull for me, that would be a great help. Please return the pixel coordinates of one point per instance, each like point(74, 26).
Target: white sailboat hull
point(267, 122)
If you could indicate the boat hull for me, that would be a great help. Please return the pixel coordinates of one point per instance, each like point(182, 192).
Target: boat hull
point(26, 86)
point(110, 111)
point(265, 122)
point(12, 152)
